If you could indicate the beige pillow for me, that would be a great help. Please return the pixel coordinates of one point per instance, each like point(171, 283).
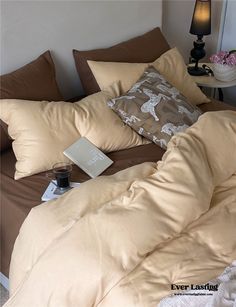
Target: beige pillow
point(171, 65)
point(42, 130)
point(155, 109)
point(107, 72)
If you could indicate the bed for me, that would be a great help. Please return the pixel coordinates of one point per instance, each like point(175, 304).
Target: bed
point(18, 197)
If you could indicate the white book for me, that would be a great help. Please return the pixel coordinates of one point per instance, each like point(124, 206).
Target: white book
point(53, 191)
point(88, 157)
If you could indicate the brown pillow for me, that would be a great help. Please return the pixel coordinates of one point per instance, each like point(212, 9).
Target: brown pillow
point(155, 109)
point(142, 49)
point(5, 140)
point(34, 81)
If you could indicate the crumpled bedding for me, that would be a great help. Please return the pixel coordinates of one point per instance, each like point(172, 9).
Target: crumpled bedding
point(123, 240)
point(224, 296)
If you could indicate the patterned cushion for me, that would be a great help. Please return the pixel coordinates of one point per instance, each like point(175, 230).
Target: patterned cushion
point(155, 109)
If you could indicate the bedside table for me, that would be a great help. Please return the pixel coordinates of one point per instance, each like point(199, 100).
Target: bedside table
point(212, 82)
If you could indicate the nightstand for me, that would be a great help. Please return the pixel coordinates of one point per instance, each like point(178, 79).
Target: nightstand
point(212, 82)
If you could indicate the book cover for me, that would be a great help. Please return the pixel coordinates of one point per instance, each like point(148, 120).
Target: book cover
point(88, 157)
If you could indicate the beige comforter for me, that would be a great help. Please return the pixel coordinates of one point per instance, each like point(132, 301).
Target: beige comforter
point(123, 240)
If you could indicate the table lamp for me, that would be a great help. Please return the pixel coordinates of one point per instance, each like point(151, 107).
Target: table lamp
point(201, 25)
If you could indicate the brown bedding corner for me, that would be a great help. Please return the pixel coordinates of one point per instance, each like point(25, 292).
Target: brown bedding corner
point(33, 81)
point(216, 105)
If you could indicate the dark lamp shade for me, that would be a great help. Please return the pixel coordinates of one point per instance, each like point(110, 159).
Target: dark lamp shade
point(201, 21)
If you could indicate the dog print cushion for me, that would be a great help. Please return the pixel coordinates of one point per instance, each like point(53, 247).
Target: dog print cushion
point(155, 109)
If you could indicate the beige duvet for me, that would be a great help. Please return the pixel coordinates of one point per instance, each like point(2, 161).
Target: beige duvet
point(123, 240)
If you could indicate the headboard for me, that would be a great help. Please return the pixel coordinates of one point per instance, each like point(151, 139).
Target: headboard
point(29, 28)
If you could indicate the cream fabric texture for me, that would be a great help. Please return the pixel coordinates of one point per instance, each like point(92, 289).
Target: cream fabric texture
point(152, 225)
point(171, 65)
point(107, 72)
point(225, 296)
point(43, 130)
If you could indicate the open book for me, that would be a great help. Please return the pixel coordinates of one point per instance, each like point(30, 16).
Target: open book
point(88, 157)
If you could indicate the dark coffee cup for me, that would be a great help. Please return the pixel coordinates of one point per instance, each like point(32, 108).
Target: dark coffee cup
point(61, 173)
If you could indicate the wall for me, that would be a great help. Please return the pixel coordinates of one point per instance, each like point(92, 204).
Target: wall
point(177, 17)
point(28, 28)
point(229, 42)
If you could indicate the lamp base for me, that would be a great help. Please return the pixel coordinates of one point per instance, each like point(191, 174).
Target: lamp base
point(193, 71)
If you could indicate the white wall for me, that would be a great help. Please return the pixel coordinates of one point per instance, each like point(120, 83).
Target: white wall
point(229, 42)
point(28, 28)
point(177, 17)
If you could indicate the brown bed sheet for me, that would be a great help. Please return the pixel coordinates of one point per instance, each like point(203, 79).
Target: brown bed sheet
point(18, 197)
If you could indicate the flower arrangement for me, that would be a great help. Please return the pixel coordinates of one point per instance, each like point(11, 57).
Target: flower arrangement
point(224, 58)
point(224, 65)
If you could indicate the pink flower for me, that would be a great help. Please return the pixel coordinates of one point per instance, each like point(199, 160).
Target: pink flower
point(215, 58)
point(224, 58)
point(223, 54)
point(231, 59)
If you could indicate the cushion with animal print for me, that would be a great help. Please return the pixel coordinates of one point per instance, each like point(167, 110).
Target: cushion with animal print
point(155, 109)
